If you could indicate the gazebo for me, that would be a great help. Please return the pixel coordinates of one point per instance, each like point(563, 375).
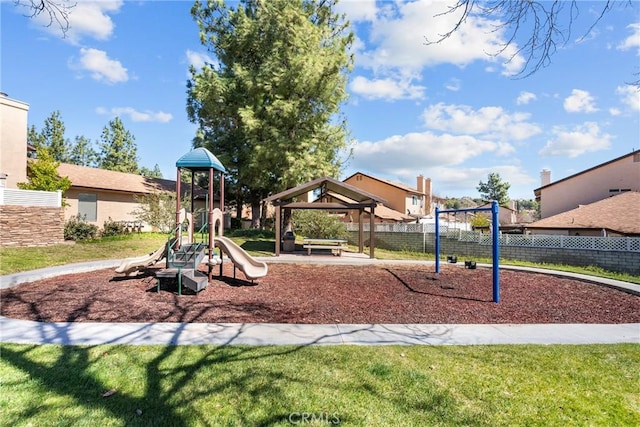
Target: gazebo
point(358, 200)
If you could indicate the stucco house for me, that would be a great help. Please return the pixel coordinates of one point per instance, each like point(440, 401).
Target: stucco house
point(616, 176)
point(13, 141)
point(416, 202)
point(506, 215)
point(382, 214)
point(618, 215)
point(99, 194)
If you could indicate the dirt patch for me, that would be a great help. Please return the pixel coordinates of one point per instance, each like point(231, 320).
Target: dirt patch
point(316, 294)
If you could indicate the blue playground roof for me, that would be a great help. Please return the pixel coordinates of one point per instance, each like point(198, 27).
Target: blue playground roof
point(200, 159)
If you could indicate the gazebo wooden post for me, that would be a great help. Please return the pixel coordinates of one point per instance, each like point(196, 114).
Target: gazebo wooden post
point(372, 226)
point(278, 237)
point(360, 231)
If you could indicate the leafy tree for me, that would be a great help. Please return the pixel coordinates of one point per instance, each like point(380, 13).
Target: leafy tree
point(151, 173)
point(451, 203)
point(82, 153)
point(546, 25)
point(42, 174)
point(118, 149)
point(270, 108)
point(479, 221)
point(318, 224)
point(157, 209)
point(494, 189)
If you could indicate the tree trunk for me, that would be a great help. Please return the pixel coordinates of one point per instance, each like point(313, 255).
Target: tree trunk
point(255, 214)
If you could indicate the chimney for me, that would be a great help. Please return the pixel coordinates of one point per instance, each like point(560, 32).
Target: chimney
point(420, 185)
point(545, 177)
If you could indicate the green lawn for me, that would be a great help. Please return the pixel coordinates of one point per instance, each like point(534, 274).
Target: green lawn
point(355, 385)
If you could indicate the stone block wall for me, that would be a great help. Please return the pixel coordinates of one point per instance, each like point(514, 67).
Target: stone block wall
point(619, 261)
point(31, 226)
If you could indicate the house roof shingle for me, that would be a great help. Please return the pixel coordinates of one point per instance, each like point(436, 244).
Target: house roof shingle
point(102, 179)
point(620, 213)
point(388, 182)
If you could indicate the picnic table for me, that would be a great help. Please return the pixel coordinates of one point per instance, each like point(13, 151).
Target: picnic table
point(335, 245)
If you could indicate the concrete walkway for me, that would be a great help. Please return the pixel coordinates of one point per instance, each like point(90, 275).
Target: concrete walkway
point(88, 333)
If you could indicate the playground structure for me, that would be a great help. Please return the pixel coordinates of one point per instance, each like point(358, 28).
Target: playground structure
point(183, 254)
point(495, 232)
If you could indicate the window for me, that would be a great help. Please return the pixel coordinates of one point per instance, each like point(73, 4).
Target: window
point(88, 207)
point(414, 200)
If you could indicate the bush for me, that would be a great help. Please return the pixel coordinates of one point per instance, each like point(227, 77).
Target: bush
point(113, 228)
point(77, 228)
point(318, 225)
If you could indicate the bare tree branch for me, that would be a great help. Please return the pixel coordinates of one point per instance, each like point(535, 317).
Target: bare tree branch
point(546, 25)
point(56, 11)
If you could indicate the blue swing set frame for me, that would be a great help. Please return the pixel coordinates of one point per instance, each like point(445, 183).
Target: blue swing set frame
point(495, 231)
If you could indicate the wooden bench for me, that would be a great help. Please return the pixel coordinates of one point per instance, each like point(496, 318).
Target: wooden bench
point(335, 245)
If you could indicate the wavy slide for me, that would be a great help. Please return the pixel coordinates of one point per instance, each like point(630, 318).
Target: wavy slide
point(252, 268)
point(131, 266)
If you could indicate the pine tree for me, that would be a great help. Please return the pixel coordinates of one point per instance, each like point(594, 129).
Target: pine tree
point(270, 109)
point(82, 153)
point(53, 137)
point(118, 149)
point(494, 189)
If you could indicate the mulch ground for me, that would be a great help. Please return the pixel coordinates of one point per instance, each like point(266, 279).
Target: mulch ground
point(316, 294)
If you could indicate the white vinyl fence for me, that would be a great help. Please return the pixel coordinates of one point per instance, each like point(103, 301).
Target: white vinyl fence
point(11, 196)
point(627, 244)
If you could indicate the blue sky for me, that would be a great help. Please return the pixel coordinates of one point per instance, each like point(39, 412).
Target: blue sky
point(450, 112)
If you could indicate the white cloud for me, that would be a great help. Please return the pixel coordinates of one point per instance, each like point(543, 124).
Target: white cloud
point(454, 85)
point(489, 122)
point(633, 41)
point(615, 111)
point(416, 151)
point(630, 96)
point(198, 59)
point(400, 32)
point(101, 67)
point(573, 143)
point(387, 88)
point(135, 115)
point(86, 19)
point(356, 11)
point(448, 181)
point(525, 97)
point(580, 101)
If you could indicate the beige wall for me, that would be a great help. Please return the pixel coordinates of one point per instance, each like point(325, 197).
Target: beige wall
point(397, 198)
point(110, 204)
point(590, 186)
point(13, 140)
